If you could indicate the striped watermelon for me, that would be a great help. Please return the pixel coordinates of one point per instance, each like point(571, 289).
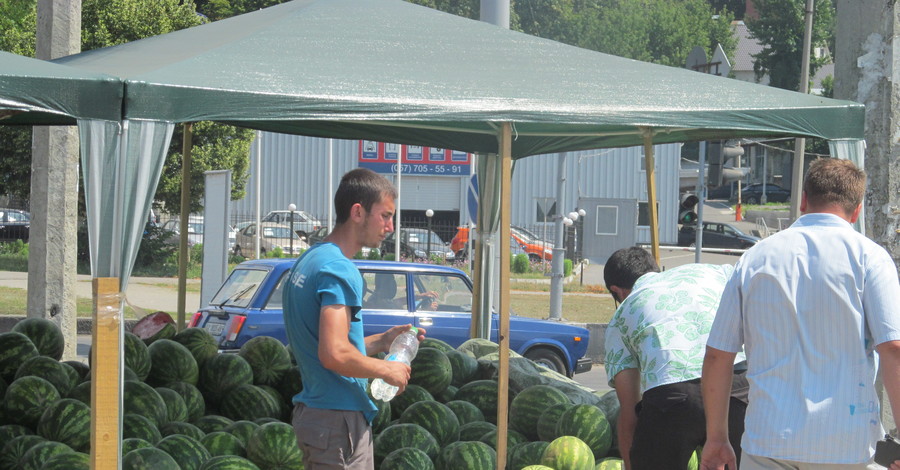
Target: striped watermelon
point(568, 453)
point(463, 366)
point(267, 358)
point(229, 462)
point(465, 412)
point(588, 423)
point(467, 455)
point(9, 431)
point(285, 407)
point(526, 453)
point(223, 443)
point(383, 418)
point(68, 461)
point(407, 458)
point(50, 370)
point(482, 394)
point(15, 348)
point(137, 357)
point(171, 362)
point(249, 402)
point(199, 342)
point(261, 421)
point(614, 463)
point(44, 334)
point(187, 451)
point(12, 451)
point(546, 424)
point(474, 430)
point(220, 374)
point(431, 370)
point(290, 384)
point(67, 421)
point(81, 392)
point(27, 398)
point(80, 367)
point(274, 445)
point(435, 343)
point(140, 427)
point(513, 437)
point(412, 394)
point(180, 427)
point(537, 467)
point(448, 394)
point(193, 399)
point(242, 430)
point(526, 408)
point(149, 458)
point(140, 398)
point(436, 418)
point(36, 456)
point(176, 409)
point(212, 423)
point(403, 435)
point(132, 443)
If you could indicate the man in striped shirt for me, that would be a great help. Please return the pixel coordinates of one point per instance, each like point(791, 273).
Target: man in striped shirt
point(810, 305)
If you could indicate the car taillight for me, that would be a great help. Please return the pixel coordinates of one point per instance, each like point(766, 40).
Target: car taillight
point(237, 322)
point(195, 320)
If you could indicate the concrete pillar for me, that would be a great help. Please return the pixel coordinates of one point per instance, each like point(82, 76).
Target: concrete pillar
point(54, 187)
point(867, 70)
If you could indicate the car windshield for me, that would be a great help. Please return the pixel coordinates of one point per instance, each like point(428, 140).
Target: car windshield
point(421, 236)
point(452, 292)
point(194, 227)
point(278, 232)
point(239, 288)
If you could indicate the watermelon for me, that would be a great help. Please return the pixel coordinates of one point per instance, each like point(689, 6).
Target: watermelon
point(229, 462)
point(383, 418)
point(614, 463)
point(149, 458)
point(221, 373)
point(15, 348)
point(546, 424)
point(588, 423)
point(35, 457)
point(448, 394)
point(44, 334)
point(274, 445)
point(474, 430)
point(15, 449)
point(80, 367)
point(81, 392)
point(528, 405)
point(242, 430)
point(140, 398)
point(180, 427)
point(267, 358)
point(261, 421)
point(249, 402)
point(171, 362)
point(132, 443)
point(187, 451)
point(140, 427)
point(50, 370)
point(153, 327)
point(568, 453)
point(463, 367)
point(412, 394)
point(526, 453)
point(285, 407)
point(223, 443)
point(465, 412)
point(137, 356)
point(512, 438)
point(403, 435)
point(68, 461)
point(431, 370)
point(9, 431)
point(193, 399)
point(467, 455)
point(290, 384)
point(435, 343)
point(537, 467)
point(212, 423)
point(436, 418)
point(27, 398)
point(176, 409)
point(67, 421)
point(482, 394)
point(199, 342)
point(407, 458)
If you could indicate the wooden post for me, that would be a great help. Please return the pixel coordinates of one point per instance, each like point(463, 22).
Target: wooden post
point(106, 375)
point(183, 254)
point(650, 168)
point(503, 327)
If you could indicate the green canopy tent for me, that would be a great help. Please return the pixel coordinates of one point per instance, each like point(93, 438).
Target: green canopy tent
point(392, 71)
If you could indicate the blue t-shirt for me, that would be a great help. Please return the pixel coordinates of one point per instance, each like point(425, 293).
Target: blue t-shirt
point(324, 276)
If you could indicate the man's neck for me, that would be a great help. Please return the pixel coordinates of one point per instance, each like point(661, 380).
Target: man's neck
point(344, 237)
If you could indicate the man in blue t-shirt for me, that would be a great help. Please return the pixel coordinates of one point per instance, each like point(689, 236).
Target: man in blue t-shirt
point(322, 300)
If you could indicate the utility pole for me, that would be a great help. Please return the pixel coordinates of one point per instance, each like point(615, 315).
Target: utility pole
point(800, 142)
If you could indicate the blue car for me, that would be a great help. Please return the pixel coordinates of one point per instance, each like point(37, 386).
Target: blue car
point(438, 298)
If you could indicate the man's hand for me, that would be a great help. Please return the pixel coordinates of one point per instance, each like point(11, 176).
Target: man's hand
point(396, 374)
point(718, 454)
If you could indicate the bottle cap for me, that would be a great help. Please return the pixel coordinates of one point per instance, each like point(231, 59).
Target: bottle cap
point(414, 330)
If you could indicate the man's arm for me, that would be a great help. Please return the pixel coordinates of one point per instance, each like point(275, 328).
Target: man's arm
point(718, 368)
point(381, 342)
point(628, 390)
point(889, 365)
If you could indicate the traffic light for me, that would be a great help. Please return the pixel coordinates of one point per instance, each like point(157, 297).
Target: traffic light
point(686, 214)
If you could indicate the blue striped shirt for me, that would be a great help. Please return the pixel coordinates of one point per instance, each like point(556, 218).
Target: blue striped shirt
point(809, 305)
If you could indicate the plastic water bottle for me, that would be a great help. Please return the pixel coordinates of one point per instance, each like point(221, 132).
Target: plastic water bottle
point(403, 349)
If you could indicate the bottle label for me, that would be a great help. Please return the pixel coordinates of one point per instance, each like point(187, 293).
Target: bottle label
point(391, 357)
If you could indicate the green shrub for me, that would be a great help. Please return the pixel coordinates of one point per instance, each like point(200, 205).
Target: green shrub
point(388, 257)
point(567, 267)
point(374, 255)
point(520, 263)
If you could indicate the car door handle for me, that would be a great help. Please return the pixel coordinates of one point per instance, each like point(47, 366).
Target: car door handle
point(426, 321)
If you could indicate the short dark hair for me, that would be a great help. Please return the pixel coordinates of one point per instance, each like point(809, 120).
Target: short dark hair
point(362, 186)
point(834, 181)
point(625, 266)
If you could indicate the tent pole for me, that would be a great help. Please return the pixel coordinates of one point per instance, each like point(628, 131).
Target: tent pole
point(183, 224)
point(650, 168)
point(106, 389)
point(503, 333)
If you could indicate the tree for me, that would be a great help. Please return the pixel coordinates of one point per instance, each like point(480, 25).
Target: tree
point(779, 28)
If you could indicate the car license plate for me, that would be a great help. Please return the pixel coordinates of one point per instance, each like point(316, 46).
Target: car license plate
point(214, 329)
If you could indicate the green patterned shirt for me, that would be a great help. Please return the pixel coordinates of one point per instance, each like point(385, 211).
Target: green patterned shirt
point(661, 328)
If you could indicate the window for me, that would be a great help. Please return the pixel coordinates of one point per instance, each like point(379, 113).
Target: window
point(384, 291)
point(239, 288)
point(451, 293)
point(607, 220)
point(644, 213)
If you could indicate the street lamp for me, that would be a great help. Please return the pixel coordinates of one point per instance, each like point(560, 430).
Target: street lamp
point(292, 207)
point(429, 213)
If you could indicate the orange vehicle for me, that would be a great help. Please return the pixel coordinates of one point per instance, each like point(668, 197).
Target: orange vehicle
point(536, 248)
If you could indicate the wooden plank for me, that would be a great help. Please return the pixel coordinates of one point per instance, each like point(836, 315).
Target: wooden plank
point(650, 167)
point(503, 333)
point(106, 373)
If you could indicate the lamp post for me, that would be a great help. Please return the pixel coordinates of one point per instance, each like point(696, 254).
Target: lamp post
point(292, 207)
point(429, 213)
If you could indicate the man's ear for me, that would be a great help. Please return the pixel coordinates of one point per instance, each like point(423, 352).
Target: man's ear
point(855, 215)
point(357, 212)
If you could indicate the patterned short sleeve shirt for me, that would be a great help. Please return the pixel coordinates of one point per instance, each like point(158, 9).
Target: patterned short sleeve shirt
point(661, 328)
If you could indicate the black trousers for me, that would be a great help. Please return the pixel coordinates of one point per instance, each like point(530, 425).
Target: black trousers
point(671, 424)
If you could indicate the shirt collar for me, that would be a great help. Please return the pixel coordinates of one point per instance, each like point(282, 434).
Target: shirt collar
point(821, 218)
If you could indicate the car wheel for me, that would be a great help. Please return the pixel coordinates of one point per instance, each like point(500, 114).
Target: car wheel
point(461, 255)
point(534, 258)
point(752, 200)
point(547, 358)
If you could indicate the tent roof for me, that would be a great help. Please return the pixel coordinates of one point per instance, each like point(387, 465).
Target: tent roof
point(393, 71)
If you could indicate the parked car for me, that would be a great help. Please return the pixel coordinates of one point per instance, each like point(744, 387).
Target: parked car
point(716, 235)
point(521, 240)
point(751, 193)
point(322, 232)
point(249, 304)
point(195, 230)
point(304, 223)
point(14, 225)
point(414, 244)
point(271, 237)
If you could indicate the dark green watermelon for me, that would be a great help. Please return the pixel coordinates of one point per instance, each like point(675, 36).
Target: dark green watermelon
point(171, 362)
point(134, 425)
point(407, 458)
point(290, 384)
point(512, 438)
point(229, 462)
point(176, 409)
point(220, 374)
point(249, 402)
point(474, 430)
point(465, 412)
point(15, 348)
point(81, 392)
point(526, 453)
point(448, 394)
point(528, 405)
point(68, 461)
point(199, 342)
point(44, 334)
point(36, 456)
point(402, 435)
point(482, 394)
point(142, 399)
point(546, 424)
point(80, 367)
point(137, 356)
point(179, 427)
point(412, 394)
point(242, 430)
point(212, 423)
point(149, 458)
point(193, 399)
point(383, 418)
point(27, 398)
point(468, 455)
point(9, 431)
point(132, 443)
point(431, 370)
point(12, 451)
point(67, 421)
point(187, 451)
point(274, 445)
point(435, 343)
point(568, 453)
point(588, 423)
point(267, 358)
point(223, 443)
point(50, 370)
point(436, 418)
